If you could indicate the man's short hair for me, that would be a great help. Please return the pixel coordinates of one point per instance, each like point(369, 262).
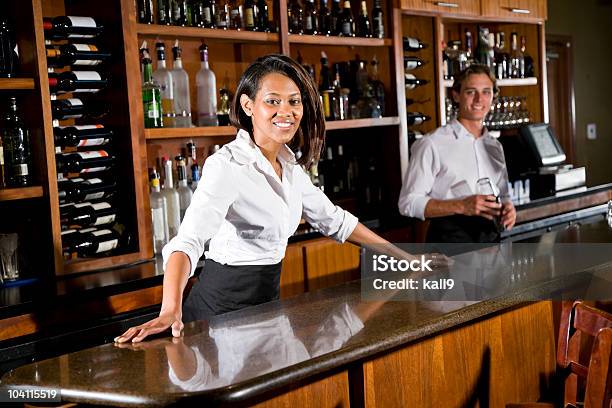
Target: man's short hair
point(475, 69)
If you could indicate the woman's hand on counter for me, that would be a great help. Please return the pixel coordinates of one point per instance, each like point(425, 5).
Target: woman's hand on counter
point(508, 215)
point(157, 325)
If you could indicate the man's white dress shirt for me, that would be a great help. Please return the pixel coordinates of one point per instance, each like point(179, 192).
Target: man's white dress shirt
point(446, 164)
point(247, 212)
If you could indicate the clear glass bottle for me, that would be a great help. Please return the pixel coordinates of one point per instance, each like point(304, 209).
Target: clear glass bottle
point(151, 96)
point(159, 214)
point(183, 189)
point(206, 84)
point(16, 147)
point(163, 77)
point(172, 200)
point(180, 86)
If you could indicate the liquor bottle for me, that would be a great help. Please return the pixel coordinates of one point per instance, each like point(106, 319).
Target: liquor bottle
point(413, 44)
point(262, 18)
point(191, 156)
point(180, 84)
point(206, 84)
point(236, 11)
point(16, 148)
point(74, 108)
point(145, 11)
point(164, 12)
point(79, 189)
point(75, 54)
point(482, 47)
point(89, 242)
point(82, 136)
point(248, 10)
point(77, 82)
point(222, 16)
point(159, 214)
point(364, 28)
point(501, 57)
point(528, 70)
point(84, 162)
point(172, 200)
point(325, 19)
point(416, 118)
point(491, 51)
point(224, 107)
point(87, 214)
point(347, 23)
point(163, 77)
point(412, 81)
point(8, 57)
point(378, 88)
point(325, 80)
point(411, 63)
point(196, 13)
point(195, 176)
point(296, 17)
point(336, 13)
point(183, 189)
point(311, 18)
point(180, 13)
point(70, 27)
point(378, 23)
point(361, 79)
point(517, 60)
point(151, 97)
point(341, 167)
point(468, 47)
point(209, 10)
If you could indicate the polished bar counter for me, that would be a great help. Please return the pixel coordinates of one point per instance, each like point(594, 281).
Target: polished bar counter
point(331, 348)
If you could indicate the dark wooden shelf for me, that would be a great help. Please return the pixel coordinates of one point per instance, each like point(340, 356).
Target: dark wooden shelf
point(361, 123)
point(20, 193)
point(156, 30)
point(342, 41)
point(180, 133)
point(15, 84)
point(448, 83)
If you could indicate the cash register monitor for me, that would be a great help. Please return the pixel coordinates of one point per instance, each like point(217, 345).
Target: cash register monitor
point(543, 144)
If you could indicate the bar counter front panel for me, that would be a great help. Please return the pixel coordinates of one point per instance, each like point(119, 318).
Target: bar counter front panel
point(331, 348)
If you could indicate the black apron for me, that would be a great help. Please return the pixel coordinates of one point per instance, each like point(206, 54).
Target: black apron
point(460, 229)
point(224, 288)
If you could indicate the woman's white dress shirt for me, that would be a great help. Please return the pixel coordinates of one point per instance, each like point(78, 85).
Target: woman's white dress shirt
point(247, 212)
point(447, 163)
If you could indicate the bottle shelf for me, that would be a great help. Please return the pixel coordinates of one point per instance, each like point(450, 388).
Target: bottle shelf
point(20, 193)
point(342, 41)
point(179, 133)
point(156, 30)
point(361, 123)
point(448, 83)
point(16, 83)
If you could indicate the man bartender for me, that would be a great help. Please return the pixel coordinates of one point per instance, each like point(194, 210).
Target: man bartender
point(445, 166)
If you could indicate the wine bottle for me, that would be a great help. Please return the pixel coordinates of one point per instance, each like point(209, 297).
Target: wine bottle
point(347, 23)
point(16, 148)
point(224, 107)
point(378, 24)
point(501, 57)
point(336, 13)
point(378, 87)
point(75, 54)
point(145, 11)
point(209, 9)
point(81, 136)
point(73, 108)
point(527, 70)
point(180, 84)
point(159, 214)
point(172, 200)
point(262, 17)
point(196, 10)
point(71, 27)
point(77, 81)
point(325, 80)
point(413, 44)
point(206, 84)
point(325, 19)
point(9, 60)
point(236, 22)
point(180, 13)
point(183, 189)
point(364, 28)
point(412, 81)
point(222, 17)
point(84, 162)
point(469, 47)
point(164, 12)
point(482, 47)
point(89, 242)
point(88, 214)
point(151, 96)
point(2, 171)
point(295, 17)
point(79, 189)
point(248, 10)
point(311, 19)
point(517, 60)
point(411, 63)
point(163, 77)
point(416, 118)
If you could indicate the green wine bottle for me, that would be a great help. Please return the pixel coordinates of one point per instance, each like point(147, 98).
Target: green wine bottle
point(151, 96)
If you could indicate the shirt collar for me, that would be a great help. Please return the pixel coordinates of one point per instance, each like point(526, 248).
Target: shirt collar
point(246, 151)
point(461, 131)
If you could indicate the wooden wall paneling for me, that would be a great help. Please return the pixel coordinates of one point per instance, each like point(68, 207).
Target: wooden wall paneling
point(329, 263)
point(502, 359)
point(332, 391)
point(293, 277)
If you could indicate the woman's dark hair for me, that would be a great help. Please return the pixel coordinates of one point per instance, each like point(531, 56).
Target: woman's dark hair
point(475, 69)
point(311, 133)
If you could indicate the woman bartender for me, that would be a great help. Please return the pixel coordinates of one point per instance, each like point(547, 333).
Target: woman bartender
point(251, 198)
point(446, 165)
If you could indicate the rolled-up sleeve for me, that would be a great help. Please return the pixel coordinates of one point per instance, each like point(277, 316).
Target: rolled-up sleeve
point(419, 179)
point(327, 218)
point(215, 194)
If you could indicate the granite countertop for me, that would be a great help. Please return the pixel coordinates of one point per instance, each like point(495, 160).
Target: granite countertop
point(240, 355)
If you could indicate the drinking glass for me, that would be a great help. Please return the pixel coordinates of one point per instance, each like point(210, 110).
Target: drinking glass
point(9, 266)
